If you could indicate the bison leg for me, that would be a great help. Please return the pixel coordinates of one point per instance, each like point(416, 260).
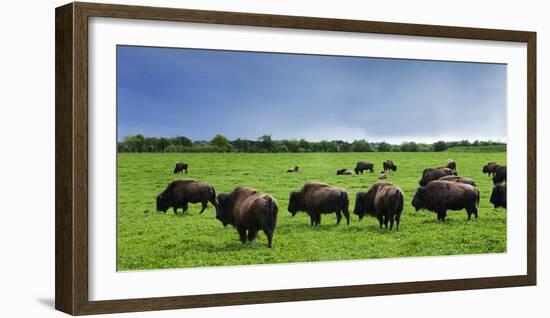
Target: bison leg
point(397, 219)
point(317, 218)
point(185, 207)
point(391, 220)
point(346, 214)
point(185, 170)
point(204, 205)
point(386, 219)
point(441, 215)
point(338, 217)
point(312, 219)
point(175, 209)
point(380, 220)
point(242, 234)
point(252, 235)
point(269, 234)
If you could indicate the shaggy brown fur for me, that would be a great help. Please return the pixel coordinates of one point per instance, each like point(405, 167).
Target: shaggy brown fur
point(181, 192)
point(180, 166)
point(432, 174)
point(383, 201)
point(388, 165)
point(318, 198)
point(459, 180)
point(364, 165)
point(345, 172)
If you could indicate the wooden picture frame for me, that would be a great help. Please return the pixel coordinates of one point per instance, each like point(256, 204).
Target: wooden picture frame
point(71, 90)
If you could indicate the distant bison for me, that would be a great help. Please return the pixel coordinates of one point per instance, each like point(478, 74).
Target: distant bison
point(181, 192)
point(490, 168)
point(383, 201)
point(346, 172)
point(248, 211)
point(364, 165)
point(500, 175)
point(389, 165)
point(180, 166)
point(498, 196)
point(439, 196)
point(451, 164)
point(432, 174)
point(295, 169)
point(383, 175)
point(459, 180)
point(318, 198)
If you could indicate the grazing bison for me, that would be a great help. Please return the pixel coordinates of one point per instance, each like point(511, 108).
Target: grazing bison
point(383, 201)
point(318, 198)
point(490, 168)
point(451, 164)
point(248, 211)
point(295, 169)
point(459, 180)
point(500, 175)
point(364, 165)
point(181, 192)
point(346, 172)
point(180, 166)
point(383, 175)
point(498, 196)
point(432, 174)
point(388, 165)
point(439, 196)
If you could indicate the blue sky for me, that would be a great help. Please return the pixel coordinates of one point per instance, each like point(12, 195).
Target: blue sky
point(166, 92)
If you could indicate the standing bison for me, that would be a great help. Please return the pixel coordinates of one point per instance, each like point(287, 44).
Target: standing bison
point(439, 196)
point(498, 196)
point(459, 180)
point(248, 211)
point(181, 192)
point(318, 198)
point(500, 175)
point(383, 201)
point(451, 164)
point(180, 166)
point(432, 174)
point(490, 168)
point(364, 165)
point(345, 172)
point(389, 165)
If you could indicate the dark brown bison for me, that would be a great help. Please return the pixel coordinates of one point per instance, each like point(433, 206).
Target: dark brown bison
point(248, 211)
point(383, 201)
point(432, 174)
point(490, 168)
point(388, 165)
point(181, 192)
point(295, 169)
point(346, 172)
point(439, 196)
point(180, 166)
point(451, 164)
point(500, 175)
point(498, 196)
point(318, 198)
point(459, 180)
point(364, 165)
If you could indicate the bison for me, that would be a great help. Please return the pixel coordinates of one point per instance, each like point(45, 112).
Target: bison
point(439, 196)
point(181, 192)
point(490, 168)
point(459, 180)
point(500, 175)
point(432, 174)
point(346, 172)
point(388, 165)
point(318, 198)
point(498, 196)
point(383, 201)
point(451, 164)
point(180, 166)
point(383, 175)
point(295, 169)
point(248, 211)
point(364, 165)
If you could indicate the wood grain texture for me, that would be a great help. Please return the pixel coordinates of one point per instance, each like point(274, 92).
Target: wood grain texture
point(72, 157)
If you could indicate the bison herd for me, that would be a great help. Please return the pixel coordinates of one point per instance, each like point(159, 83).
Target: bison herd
point(249, 211)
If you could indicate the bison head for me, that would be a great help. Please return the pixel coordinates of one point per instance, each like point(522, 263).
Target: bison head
point(418, 202)
point(498, 196)
point(222, 209)
point(163, 204)
point(360, 204)
point(294, 202)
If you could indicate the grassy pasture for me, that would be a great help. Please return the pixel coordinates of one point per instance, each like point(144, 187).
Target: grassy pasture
point(151, 240)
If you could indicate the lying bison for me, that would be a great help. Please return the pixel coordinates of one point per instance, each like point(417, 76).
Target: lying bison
point(498, 196)
point(439, 196)
point(500, 175)
point(432, 174)
point(451, 164)
point(248, 211)
point(383, 175)
point(346, 172)
point(180, 166)
point(318, 198)
point(181, 192)
point(490, 168)
point(295, 169)
point(364, 165)
point(388, 165)
point(459, 180)
point(383, 201)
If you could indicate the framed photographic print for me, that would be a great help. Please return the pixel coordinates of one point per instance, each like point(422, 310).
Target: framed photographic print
point(210, 158)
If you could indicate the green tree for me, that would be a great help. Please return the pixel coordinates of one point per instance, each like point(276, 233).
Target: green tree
point(384, 147)
point(182, 141)
point(266, 143)
point(362, 146)
point(410, 147)
point(440, 146)
point(242, 145)
point(221, 142)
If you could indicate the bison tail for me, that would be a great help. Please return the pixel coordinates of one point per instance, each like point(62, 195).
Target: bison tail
point(272, 209)
point(213, 197)
point(477, 200)
point(398, 202)
point(345, 201)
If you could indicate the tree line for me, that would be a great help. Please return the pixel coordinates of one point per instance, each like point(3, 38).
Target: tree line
point(265, 144)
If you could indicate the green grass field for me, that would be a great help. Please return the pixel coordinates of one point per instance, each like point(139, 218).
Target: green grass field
point(148, 239)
